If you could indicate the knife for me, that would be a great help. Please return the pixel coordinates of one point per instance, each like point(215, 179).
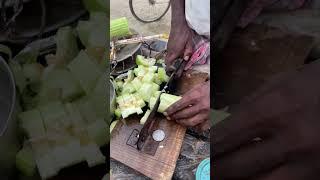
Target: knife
point(149, 125)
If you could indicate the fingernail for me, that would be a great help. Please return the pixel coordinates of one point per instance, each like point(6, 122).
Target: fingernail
point(169, 118)
point(165, 113)
point(186, 58)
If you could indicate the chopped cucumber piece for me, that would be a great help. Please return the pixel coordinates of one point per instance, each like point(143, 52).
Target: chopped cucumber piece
point(117, 112)
point(32, 72)
point(166, 100)
point(62, 81)
point(155, 87)
point(128, 88)
point(152, 102)
point(67, 47)
point(75, 117)
point(157, 80)
point(119, 85)
point(148, 78)
point(32, 124)
point(45, 161)
point(99, 132)
point(145, 91)
point(55, 117)
point(145, 117)
point(156, 94)
point(85, 71)
point(140, 60)
point(136, 83)
point(92, 154)
point(67, 154)
point(163, 75)
point(25, 162)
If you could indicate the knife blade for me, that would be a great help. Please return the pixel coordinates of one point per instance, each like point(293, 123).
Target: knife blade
point(149, 125)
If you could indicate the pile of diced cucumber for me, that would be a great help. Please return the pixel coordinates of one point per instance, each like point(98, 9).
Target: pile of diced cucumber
point(64, 118)
point(142, 88)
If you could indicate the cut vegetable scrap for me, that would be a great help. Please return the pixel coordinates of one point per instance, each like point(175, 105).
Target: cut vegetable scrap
point(25, 162)
point(113, 124)
point(145, 117)
point(85, 71)
point(31, 122)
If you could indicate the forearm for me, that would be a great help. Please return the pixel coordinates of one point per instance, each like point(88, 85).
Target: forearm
point(178, 13)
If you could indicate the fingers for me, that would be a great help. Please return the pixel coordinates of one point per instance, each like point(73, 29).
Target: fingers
point(193, 121)
point(251, 159)
point(187, 100)
point(188, 51)
point(170, 57)
point(189, 111)
point(204, 126)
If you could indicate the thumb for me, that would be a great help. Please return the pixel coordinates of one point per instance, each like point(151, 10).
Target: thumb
point(188, 51)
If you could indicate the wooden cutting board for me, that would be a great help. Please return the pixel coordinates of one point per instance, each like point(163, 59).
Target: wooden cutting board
point(162, 164)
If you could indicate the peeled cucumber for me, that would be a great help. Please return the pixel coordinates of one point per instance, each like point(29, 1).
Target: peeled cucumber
point(119, 27)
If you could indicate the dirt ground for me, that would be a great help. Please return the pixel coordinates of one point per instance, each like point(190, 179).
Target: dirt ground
point(120, 8)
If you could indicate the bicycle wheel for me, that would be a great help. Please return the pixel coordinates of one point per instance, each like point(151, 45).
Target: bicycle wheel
point(149, 10)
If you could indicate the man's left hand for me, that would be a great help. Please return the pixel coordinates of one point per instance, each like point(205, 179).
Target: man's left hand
point(193, 109)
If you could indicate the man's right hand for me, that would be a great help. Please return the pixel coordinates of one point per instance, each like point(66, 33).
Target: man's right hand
point(180, 39)
point(179, 44)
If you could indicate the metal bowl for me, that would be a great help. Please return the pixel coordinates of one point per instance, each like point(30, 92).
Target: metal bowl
point(9, 143)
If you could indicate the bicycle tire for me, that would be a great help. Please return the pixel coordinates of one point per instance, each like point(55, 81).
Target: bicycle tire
point(145, 21)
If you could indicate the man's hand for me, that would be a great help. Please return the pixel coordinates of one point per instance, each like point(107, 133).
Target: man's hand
point(193, 109)
point(180, 39)
point(284, 119)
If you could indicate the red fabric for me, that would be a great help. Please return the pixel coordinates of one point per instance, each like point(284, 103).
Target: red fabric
point(256, 7)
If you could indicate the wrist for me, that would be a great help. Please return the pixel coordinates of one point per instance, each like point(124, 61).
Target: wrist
point(178, 18)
